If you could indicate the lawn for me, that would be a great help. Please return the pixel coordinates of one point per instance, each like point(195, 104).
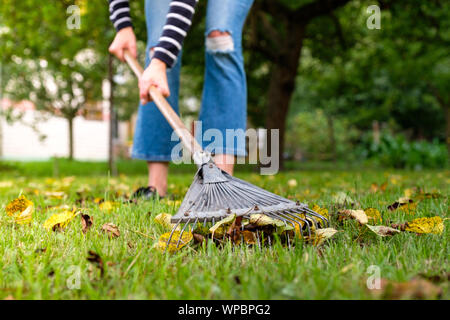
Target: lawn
point(38, 263)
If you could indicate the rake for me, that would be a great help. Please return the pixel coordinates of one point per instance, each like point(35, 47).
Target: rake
point(215, 195)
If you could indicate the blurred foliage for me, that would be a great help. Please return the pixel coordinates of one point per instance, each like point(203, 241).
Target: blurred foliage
point(396, 151)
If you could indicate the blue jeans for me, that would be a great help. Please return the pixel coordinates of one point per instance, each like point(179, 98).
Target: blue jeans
point(224, 99)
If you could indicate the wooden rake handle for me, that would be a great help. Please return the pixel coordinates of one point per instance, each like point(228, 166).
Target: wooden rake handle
point(171, 116)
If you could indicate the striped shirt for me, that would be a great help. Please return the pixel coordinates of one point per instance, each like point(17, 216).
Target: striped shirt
point(178, 22)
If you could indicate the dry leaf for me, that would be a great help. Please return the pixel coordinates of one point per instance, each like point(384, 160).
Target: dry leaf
point(375, 187)
point(320, 235)
point(221, 227)
point(234, 231)
point(54, 194)
point(176, 243)
point(341, 198)
point(358, 215)
point(426, 225)
point(416, 288)
point(94, 258)
point(108, 206)
point(292, 183)
point(111, 229)
point(60, 220)
point(373, 214)
point(383, 231)
point(249, 237)
point(400, 202)
point(86, 222)
point(21, 209)
point(261, 220)
point(164, 220)
point(322, 211)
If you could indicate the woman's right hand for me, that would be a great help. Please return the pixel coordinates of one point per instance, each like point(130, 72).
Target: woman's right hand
point(125, 39)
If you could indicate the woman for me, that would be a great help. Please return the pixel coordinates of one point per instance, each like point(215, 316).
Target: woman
point(224, 99)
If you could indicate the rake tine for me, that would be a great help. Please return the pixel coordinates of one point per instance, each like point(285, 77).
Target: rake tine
point(195, 224)
point(257, 239)
point(171, 234)
point(296, 215)
point(182, 231)
point(285, 216)
point(311, 212)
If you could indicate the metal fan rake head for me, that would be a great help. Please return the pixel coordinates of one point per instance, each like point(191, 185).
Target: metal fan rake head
point(215, 195)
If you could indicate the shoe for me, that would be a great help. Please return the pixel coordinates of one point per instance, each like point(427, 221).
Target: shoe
point(146, 193)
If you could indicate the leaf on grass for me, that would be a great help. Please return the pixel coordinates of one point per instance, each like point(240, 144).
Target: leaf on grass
point(322, 211)
point(21, 209)
point(261, 220)
point(341, 198)
point(164, 220)
point(373, 214)
point(358, 215)
point(400, 202)
point(221, 227)
point(383, 231)
point(111, 229)
point(86, 222)
point(59, 221)
point(416, 288)
point(426, 225)
point(408, 208)
point(176, 243)
point(292, 183)
point(108, 206)
point(249, 237)
point(54, 194)
point(94, 258)
point(375, 187)
point(320, 235)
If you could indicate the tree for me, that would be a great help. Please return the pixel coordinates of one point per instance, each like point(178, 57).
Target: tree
point(278, 34)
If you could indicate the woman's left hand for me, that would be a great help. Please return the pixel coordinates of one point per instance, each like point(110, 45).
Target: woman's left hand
point(154, 75)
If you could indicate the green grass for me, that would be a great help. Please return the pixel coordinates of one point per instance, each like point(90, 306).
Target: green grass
point(136, 270)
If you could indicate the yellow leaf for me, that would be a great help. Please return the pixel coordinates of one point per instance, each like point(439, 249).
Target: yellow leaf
point(383, 231)
point(21, 209)
point(262, 220)
point(358, 215)
point(373, 214)
point(322, 211)
point(164, 220)
point(292, 183)
point(409, 208)
point(184, 240)
point(220, 227)
point(426, 225)
point(320, 235)
point(108, 206)
point(249, 237)
point(60, 220)
point(55, 194)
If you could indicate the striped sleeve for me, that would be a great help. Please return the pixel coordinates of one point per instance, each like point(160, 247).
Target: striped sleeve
point(119, 14)
point(178, 22)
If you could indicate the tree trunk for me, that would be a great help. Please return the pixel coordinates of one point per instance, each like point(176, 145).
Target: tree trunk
point(281, 88)
point(70, 121)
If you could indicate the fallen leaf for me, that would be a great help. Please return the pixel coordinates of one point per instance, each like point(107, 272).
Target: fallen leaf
point(400, 202)
point(54, 194)
point(262, 220)
point(426, 225)
point(320, 235)
point(234, 231)
point(21, 209)
point(108, 206)
point(383, 231)
point(164, 220)
point(59, 221)
point(408, 207)
point(292, 183)
point(341, 198)
point(375, 187)
point(373, 214)
point(322, 211)
point(86, 222)
point(221, 227)
point(94, 258)
point(249, 237)
point(358, 215)
point(176, 242)
point(347, 268)
point(111, 229)
point(416, 288)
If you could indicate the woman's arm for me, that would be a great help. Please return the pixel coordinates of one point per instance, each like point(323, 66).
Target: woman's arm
point(119, 14)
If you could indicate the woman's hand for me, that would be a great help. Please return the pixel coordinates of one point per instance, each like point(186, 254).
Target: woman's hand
point(125, 39)
point(154, 75)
